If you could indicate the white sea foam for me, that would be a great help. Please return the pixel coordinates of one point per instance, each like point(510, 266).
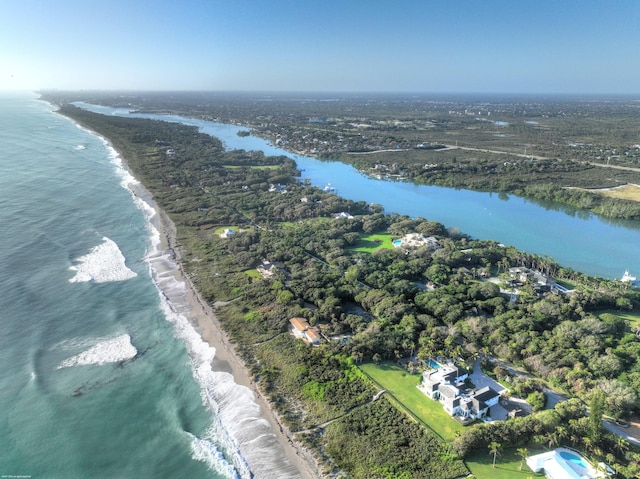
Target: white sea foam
point(207, 452)
point(239, 429)
point(79, 147)
point(240, 442)
point(110, 350)
point(103, 264)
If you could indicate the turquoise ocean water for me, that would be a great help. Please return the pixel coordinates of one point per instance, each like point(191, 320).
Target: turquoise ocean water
point(102, 375)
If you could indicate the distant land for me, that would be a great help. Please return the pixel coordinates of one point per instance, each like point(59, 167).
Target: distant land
point(340, 311)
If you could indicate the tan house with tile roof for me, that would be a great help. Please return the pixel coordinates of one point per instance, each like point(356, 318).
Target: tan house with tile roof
point(301, 328)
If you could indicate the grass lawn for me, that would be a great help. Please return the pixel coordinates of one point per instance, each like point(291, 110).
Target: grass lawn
point(633, 319)
point(373, 242)
point(221, 229)
point(402, 386)
point(566, 283)
point(626, 192)
point(507, 465)
point(253, 273)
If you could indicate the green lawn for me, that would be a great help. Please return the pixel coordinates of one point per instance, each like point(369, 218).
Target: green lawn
point(507, 466)
point(633, 319)
point(253, 273)
point(403, 387)
point(373, 242)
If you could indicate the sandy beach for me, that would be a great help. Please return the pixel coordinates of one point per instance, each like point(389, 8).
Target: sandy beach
point(204, 320)
point(206, 324)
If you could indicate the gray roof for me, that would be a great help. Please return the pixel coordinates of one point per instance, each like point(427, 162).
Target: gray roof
point(485, 394)
point(448, 391)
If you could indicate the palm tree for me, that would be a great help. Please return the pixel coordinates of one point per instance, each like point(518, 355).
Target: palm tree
point(523, 452)
point(622, 445)
point(494, 448)
point(588, 443)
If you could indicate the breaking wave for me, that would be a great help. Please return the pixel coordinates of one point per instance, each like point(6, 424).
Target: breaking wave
point(104, 263)
point(105, 351)
point(240, 442)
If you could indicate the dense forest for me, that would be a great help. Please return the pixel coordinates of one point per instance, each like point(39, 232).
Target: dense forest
point(391, 303)
point(559, 149)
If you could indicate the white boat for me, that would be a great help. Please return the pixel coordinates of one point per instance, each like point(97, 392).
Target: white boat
point(626, 277)
point(329, 188)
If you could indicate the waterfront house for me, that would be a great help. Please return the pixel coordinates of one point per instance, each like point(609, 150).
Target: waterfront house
point(445, 383)
point(301, 329)
point(523, 274)
point(415, 240)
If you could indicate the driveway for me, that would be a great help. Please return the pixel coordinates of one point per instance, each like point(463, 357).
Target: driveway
point(625, 432)
point(480, 380)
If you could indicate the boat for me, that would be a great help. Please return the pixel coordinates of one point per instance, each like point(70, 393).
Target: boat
point(627, 278)
point(329, 188)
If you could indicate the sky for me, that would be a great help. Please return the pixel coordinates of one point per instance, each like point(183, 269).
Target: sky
point(418, 46)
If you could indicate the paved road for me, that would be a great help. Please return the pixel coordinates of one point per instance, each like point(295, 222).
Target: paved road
point(621, 431)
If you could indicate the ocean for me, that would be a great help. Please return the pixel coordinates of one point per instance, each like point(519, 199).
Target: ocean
point(102, 373)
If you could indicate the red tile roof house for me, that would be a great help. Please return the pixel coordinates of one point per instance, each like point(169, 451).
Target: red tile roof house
point(301, 328)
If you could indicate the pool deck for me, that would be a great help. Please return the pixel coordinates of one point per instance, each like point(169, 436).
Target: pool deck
point(563, 463)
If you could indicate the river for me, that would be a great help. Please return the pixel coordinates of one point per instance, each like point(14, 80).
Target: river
point(575, 238)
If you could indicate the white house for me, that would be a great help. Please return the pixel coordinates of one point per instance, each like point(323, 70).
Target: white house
point(415, 240)
point(227, 233)
point(446, 385)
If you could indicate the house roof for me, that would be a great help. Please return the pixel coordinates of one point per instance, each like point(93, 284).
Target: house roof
point(300, 324)
point(485, 394)
point(313, 333)
point(448, 391)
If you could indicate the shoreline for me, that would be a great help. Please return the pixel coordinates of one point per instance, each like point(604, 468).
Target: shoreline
point(226, 359)
point(203, 319)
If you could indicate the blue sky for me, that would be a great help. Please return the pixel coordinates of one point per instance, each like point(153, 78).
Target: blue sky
point(440, 46)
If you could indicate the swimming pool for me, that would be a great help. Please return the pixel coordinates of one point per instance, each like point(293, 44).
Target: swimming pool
point(574, 458)
point(433, 364)
point(397, 243)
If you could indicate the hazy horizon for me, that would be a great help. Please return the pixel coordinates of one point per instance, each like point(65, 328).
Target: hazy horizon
point(410, 46)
